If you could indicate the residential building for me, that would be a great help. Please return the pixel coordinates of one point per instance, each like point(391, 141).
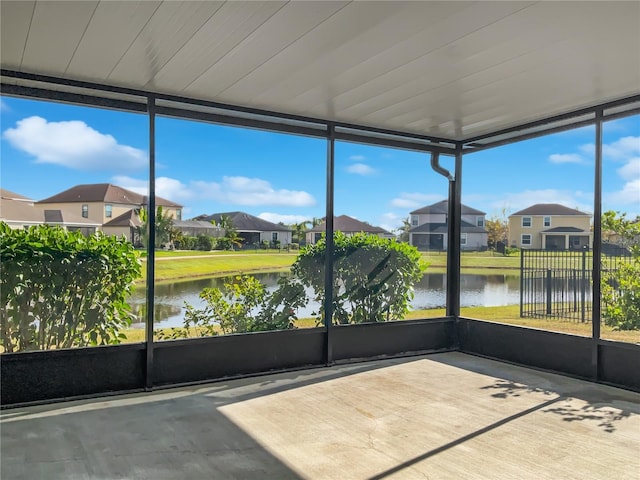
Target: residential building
point(104, 202)
point(347, 225)
point(253, 230)
point(429, 228)
point(19, 211)
point(550, 226)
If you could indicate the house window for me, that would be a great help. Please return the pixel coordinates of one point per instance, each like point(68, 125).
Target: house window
point(480, 222)
point(179, 214)
point(526, 221)
point(463, 239)
point(547, 221)
point(274, 236)
point(414, 220)
point(85, 211)
point(525, 240)
point(108, 210)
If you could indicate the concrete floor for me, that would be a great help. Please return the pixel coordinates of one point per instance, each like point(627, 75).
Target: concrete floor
point(444, 416)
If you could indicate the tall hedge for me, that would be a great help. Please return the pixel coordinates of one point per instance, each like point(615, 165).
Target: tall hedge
point(59, 289)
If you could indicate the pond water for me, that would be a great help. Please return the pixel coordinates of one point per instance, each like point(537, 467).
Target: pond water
point(430, 292)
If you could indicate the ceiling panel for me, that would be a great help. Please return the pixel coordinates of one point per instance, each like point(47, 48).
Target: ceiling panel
point(54, 35)
point(451, 69)
point(95, 57)
point(171, 27)
point(14, 25)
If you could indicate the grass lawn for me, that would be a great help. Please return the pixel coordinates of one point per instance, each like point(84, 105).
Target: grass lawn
point(506, 314)
point(220, 264)
point(182, 264)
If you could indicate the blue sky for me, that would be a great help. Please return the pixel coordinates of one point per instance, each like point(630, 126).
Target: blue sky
point(49, 147)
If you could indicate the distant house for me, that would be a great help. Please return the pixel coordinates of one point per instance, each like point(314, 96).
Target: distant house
point(253, 230)
point(348, 226)
point(550, 226)
point(19, 211)
point(104, 202)
point(429, 228)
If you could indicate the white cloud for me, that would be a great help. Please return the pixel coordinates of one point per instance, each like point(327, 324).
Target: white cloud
point(621, 149)
point(361, 169)
point(415, 200)
point(629, 195)
point(166, 187)
point(3, 106)
point(251, 191)
point(357, 158)
point(286, 219)
point(232, 190)
point(631, 170)
point(73, 144)
point(566, 158)
point(520, 200)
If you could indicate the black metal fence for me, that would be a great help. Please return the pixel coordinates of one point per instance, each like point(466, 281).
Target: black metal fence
point(558, 283)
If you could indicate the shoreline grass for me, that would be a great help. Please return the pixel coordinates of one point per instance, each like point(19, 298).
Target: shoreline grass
point(509, 314)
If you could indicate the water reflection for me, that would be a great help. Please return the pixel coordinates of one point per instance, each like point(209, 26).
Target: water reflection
point(430, 292)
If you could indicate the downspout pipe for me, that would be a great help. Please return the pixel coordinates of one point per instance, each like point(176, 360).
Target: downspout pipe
point(453, 237)
point(435, 165)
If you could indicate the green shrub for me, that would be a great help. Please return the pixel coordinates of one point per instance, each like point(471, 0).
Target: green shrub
point(59, 289)
point(373, 277)
point(204, 243)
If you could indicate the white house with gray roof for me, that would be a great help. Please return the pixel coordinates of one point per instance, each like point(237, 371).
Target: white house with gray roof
point(429, 228)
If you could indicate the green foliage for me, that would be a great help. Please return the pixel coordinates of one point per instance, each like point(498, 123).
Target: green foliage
point(621, 287)
point(244, 305)
point(186, 243)
point(508, 251)
point(204, 243)
point(164, 227)
point(59, 289)
point(373, 277)
point(223, 243)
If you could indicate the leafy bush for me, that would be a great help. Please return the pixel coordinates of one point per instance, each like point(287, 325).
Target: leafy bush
point(186, 243)
point(243, 305)
point(204, 243)
point(373, 277)
point(620, 288)
point(223, 243)
point(59, 289)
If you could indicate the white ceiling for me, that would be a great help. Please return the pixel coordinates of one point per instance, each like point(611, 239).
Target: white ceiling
point(448, 69)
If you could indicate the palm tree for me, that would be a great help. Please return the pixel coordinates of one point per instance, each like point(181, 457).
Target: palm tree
point(404, 230)
point(164, 225)
point(299, 230)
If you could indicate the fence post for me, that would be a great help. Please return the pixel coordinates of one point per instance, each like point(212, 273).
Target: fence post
point(522, 283)
point(548, 291)
point(583, 285)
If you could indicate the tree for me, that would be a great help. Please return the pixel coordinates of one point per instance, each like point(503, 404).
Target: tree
point(300, 230)
point(621, 287)
point(373, 277)
point(59, 289)
point(164, 226)
point(404, 230)
point(231, 235)
point(497, 228)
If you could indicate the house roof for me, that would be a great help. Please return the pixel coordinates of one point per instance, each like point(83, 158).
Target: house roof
point(465, 227)
point(9, 195)
point(453, 70)
point(245, 222)
point(548, 209)
point(128, 219)
point(200, 224)
point(443, 207)
point(347, 224)
point(565, 230)
point(16, 211)
point(104, 192)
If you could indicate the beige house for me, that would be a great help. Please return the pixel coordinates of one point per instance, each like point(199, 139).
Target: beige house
point(111, 207)
point(19, 211)
point(550, 226)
